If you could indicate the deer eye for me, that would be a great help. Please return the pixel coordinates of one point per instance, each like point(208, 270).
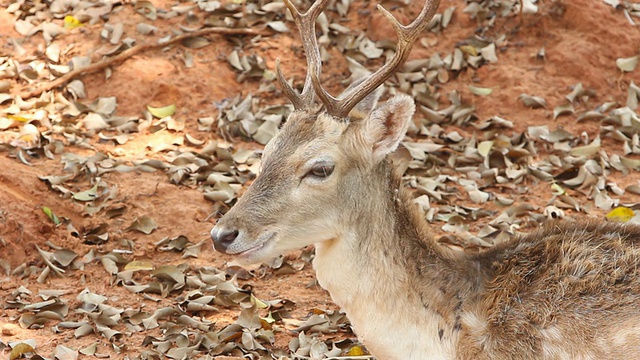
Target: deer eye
point(320, 171)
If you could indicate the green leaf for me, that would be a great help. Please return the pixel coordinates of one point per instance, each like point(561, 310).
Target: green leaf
point(557, 189)
point(259, 303)
point(53, 217)
point(162, 112)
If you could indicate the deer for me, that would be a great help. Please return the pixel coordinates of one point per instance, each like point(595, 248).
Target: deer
point(567, 290)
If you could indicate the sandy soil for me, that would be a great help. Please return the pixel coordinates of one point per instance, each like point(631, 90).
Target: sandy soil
point(582, 39)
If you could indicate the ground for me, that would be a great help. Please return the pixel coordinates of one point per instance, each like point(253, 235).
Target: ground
point(544, 54)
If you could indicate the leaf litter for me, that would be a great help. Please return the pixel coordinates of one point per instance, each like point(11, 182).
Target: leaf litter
point(452, 154)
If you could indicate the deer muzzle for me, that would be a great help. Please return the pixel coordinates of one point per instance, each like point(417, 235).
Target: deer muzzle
point(223, 238)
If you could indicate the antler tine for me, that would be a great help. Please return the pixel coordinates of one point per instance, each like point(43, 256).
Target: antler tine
point(306, 25)
point(407, 35)
point(294, 97)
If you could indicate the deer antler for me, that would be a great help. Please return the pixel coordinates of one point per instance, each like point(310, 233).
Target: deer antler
point(341, 106)
point(407, 35)
point(307, 26)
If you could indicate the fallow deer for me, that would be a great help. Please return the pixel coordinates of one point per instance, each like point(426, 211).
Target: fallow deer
point(569, 290)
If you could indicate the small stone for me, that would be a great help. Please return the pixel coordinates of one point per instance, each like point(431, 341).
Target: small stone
point(5, 85)
point(9, 329)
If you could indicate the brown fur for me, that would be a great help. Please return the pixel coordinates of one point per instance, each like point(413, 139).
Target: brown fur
point(578, 279)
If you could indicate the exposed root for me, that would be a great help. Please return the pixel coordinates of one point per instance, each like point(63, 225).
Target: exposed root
point(63, 80)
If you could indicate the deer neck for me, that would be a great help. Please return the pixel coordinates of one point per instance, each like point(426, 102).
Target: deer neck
point(389, 276)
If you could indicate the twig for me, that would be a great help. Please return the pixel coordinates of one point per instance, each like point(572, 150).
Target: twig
point(63, 80)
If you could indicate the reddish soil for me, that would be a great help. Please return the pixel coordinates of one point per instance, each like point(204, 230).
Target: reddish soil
point(582, 39)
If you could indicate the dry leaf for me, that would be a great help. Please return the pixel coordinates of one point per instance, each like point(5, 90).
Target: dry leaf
point(144, 224)
point(480, 91)
point(628, 64)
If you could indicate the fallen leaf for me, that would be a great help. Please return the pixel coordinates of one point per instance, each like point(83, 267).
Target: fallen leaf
point(144, 224)
point(278, 26)
point(51, 215)
point(620, 214)
point(20, 350)
point(87, 195)
point(565, 109)
point(533, 102)
point(71, 22)
point(146, 8)
point(162, 112)
point(356, 350)
point(64, 257)
point(484, 148)
point(140, 265)
point(628, 64)
point(65, 353)
point(586, 150)
point(480, 91)
point(195, 42)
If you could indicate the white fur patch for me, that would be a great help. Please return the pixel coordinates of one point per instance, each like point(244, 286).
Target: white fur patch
point(390, 326)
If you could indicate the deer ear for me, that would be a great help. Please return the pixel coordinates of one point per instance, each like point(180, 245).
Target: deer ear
point(387, 124)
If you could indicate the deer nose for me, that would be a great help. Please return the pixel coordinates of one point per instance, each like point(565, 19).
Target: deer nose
point(223, 238)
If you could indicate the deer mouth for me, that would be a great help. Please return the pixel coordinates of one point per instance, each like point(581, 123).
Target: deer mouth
point(260, 243)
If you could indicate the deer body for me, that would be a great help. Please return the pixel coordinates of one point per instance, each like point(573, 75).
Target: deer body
point(566, 291)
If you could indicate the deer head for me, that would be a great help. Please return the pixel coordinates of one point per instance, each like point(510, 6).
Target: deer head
point(325, 158)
